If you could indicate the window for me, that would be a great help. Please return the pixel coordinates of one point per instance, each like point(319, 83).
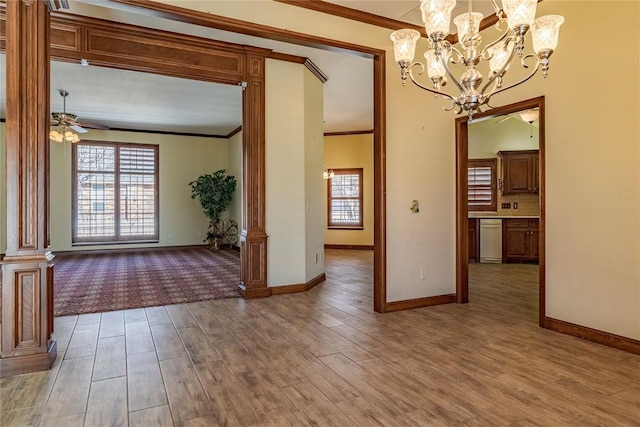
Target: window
point(344, 202)
point(482, 185)
point(115, 192)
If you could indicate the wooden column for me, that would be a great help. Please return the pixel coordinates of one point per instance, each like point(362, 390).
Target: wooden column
point(27, 270)
point(253, 239)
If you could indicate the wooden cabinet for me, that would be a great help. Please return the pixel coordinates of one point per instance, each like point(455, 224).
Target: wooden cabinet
point(519, 171)
point(520, 240)
point(474, 253)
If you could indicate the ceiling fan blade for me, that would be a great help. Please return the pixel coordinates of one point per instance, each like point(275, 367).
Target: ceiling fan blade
point(78, 129)
point(505, 118)
point(90, 125)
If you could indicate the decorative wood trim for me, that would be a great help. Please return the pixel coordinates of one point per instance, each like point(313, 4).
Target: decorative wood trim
point(287, 58)
point(605, 338)
point(26, 267)
point(234, 132)
point(350, 247)
point(315, 70)
point(31, 363)
point(176, 13)
point(349, 132)
point(354, 14)
point(410, 304)
point(462, 223)
point(164, 132)
point(379, 183)
point(303, 287)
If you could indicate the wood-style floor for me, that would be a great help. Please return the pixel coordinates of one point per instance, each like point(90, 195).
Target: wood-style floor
point(325, 359)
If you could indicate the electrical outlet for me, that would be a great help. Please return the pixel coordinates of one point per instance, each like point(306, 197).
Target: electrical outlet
point(515, 206)
point(506, 206)
point(423, 275)
point(316, 258)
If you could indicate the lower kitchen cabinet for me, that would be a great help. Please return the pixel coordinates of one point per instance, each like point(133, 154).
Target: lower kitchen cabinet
point(520, 240)
point(473, 240)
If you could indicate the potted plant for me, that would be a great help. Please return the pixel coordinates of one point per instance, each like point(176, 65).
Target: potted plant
point(215, 192)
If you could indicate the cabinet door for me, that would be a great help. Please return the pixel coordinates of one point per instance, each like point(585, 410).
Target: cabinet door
point(535, 177)
point(516, 244)
point(473, 240)
point(534, 253)
point(517, 173)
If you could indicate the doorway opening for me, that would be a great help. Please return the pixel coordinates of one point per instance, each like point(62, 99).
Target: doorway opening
point(500, 199)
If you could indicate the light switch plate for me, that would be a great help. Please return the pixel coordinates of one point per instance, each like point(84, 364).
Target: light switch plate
point(507, 205)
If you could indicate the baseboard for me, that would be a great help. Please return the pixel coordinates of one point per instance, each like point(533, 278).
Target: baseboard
point(420, 302)
point(18, 365)
point(302, 287)
point(129, 250)
point(594, 335)
point(351, 247)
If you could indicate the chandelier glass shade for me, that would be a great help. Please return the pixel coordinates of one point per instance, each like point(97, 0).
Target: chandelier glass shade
point(63, 134)
point(515, 19)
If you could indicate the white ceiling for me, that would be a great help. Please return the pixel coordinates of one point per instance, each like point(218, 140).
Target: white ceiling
point(125, 99)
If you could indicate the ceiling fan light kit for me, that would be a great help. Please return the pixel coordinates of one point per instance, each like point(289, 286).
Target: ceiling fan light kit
point(65, 124)
point(519, 17)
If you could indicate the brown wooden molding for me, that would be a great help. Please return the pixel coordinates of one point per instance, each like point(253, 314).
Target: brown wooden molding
point(311, 66)
point(462, 212)
point(164, 132)
point(349, 247)
point(27, 315)
point(162, 10)
point(420, 302)
point(594, 335)
point(349, 132)
point(315, 70)
point(31, 363)
point(354, 14)
point(234, 132)
point(287, 58)
point(209, 20)
point(303, 287)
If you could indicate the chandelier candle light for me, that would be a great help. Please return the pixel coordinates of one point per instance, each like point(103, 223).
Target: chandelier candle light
point(436, 14)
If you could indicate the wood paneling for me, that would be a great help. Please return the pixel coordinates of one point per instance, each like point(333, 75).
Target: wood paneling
point(350, 247)
point(27, 278)
point(349, 132)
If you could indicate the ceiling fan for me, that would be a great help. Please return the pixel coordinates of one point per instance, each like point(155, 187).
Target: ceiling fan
point(528, 116)
point(67, 124)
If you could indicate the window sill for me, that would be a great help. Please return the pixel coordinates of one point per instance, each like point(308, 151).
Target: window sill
point(344, 227)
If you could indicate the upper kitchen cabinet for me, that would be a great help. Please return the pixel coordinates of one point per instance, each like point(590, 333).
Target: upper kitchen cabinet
point(519, 171)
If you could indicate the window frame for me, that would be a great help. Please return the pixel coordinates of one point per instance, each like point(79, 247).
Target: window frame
point(493, 164)
point(117, 238)
point(346, 226)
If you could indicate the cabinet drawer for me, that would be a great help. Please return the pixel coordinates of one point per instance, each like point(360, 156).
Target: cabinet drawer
point(517, 223)
point(533, 223)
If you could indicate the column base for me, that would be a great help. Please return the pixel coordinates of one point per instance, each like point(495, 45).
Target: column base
point(32, 363)
point(250, 293)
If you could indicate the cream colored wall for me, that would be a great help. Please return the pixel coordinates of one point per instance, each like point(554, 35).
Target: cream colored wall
point(285, 184)
point(235, 169)
point(313, 153)
point(181, 160)
point(593, 251)
point(351, 151)
point(487, 137)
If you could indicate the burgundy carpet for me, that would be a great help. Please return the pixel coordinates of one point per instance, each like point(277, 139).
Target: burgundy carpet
point(107, 282)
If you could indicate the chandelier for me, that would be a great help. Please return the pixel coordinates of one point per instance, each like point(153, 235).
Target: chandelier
point(473, 94)
point(328, 173)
